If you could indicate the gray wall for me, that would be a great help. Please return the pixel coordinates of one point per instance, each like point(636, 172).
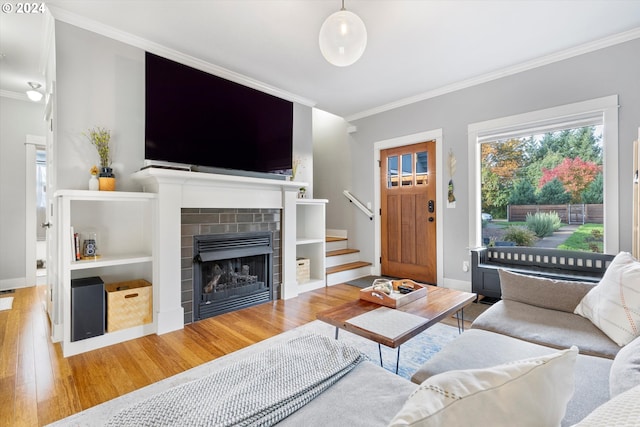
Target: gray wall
point(17, 120)
point(330, 150)
point(100, 82)
point(609, 71)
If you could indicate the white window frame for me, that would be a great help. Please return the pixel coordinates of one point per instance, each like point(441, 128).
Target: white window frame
point(578, 113)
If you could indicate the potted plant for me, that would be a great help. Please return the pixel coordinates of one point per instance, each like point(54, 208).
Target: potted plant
point(100, 138)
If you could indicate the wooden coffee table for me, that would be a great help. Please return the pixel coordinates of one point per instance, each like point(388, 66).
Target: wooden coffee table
point(393, 327)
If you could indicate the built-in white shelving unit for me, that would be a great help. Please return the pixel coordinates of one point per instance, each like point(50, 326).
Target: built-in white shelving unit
point(311, 240)
point(122, 223)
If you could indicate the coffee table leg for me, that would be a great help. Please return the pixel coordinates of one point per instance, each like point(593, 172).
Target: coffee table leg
point(337, 329)
point(460, 318)
point(397, 357)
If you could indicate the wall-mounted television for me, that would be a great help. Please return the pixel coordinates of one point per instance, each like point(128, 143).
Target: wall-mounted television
point(195, 118)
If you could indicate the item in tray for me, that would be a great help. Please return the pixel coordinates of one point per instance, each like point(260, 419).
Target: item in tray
point(383, 285)
point(405, 289)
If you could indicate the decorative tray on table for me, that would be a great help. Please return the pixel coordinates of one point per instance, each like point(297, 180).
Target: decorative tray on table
point(393, 293)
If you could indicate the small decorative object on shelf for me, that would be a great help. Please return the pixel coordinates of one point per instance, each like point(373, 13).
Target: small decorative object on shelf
point(89, 245)
point(94, 184)
point(302, 192)
point(295, 164)
point(101, 138)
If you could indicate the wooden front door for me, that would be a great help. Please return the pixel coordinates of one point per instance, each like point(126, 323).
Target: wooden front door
point(408, 211)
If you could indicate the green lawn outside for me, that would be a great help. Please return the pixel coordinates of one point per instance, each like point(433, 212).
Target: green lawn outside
point(587, 237)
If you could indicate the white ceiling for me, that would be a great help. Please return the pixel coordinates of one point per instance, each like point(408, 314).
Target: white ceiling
point(415, 49)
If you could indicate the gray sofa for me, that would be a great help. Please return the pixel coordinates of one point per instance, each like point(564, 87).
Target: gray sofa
point(535, 317)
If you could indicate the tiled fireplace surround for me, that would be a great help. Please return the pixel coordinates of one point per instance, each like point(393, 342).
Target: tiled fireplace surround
point(182, 193)
point(217, 221)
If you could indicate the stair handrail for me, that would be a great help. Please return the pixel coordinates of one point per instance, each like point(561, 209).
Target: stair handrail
point(358, 204)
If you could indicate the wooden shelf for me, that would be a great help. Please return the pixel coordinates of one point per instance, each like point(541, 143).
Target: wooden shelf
point(310, 240)
point(108, 261)
point(123, 223)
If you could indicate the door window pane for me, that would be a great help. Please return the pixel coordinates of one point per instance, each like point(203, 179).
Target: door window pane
point(422, 168)
point(407, 170)
point(392, 171)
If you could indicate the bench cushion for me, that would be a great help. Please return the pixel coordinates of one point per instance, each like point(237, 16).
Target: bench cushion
point(551, 328)
point(562, 295)
point(591, 373)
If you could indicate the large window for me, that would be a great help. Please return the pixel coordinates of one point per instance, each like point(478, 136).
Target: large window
point(544, 190)
point(547, 179)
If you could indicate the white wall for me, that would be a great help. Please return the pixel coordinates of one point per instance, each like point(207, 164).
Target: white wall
point(17, 120)
point(609, 71)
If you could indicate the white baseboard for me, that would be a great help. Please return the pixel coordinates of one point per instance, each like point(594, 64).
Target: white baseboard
point(18, 282)
point(459, 285)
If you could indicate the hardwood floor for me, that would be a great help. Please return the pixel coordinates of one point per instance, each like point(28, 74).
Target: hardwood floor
point(39, 386)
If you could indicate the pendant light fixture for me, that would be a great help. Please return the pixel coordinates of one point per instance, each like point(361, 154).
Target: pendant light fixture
point(343, 38)
point(33, 93)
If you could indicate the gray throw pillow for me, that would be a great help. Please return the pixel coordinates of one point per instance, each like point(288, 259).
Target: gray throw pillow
point(625, 370)
point(562, 295)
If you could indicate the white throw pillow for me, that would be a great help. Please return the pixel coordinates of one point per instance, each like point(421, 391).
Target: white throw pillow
point(529, 392)
point(614, 304)
point(621, 411)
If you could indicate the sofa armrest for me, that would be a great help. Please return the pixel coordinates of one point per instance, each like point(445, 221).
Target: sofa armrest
point(561, 295)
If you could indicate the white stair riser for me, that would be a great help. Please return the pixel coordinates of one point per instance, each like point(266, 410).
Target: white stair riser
point(347, 275)
point(332, 261)
point(334, 246)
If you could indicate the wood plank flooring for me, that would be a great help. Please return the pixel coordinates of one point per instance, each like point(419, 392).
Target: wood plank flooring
point(39, 386)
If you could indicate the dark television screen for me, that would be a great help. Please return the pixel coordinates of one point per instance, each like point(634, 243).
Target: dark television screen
point(196, 118)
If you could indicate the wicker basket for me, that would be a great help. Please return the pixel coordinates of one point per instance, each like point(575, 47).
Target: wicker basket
point(128, 304)
point(303, 273)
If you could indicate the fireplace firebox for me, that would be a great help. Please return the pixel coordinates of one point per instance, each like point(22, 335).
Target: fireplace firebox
point(231, 271)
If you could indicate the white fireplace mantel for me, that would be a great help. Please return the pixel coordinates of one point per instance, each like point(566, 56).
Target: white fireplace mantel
point(182, 189)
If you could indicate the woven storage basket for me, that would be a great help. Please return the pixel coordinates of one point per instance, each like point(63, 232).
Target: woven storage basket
point(128, 304)
point(303, 273)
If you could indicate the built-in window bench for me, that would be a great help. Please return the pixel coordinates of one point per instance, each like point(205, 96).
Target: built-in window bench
point(551, 263)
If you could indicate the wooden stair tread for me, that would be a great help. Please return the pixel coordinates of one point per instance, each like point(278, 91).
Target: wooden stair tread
point(345, 267)
point(335, 239)
point(342, 252)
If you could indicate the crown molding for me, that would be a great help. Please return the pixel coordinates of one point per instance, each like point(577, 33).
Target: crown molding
point(525, 66)
point(158, 49)
point(14, 95)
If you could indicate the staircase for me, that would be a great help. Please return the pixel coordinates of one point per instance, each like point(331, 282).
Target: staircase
point(343, 264)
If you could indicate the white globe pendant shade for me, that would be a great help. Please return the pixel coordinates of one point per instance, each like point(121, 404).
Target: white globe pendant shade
point(343, 38)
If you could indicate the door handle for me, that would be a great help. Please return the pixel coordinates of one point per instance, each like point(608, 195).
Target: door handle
point(431, 206)
point(46, 225)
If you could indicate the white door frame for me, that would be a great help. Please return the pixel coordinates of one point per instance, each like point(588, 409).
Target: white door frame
point(415, 138)
point(32, 143)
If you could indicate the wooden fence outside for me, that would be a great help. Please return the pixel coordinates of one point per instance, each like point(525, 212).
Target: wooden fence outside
point(570, 214)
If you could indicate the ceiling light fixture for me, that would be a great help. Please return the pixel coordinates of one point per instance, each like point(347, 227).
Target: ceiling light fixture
point(33, 93)
point(343, 38)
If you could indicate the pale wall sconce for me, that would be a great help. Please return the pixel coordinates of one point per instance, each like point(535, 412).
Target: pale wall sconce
point(33, 93)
